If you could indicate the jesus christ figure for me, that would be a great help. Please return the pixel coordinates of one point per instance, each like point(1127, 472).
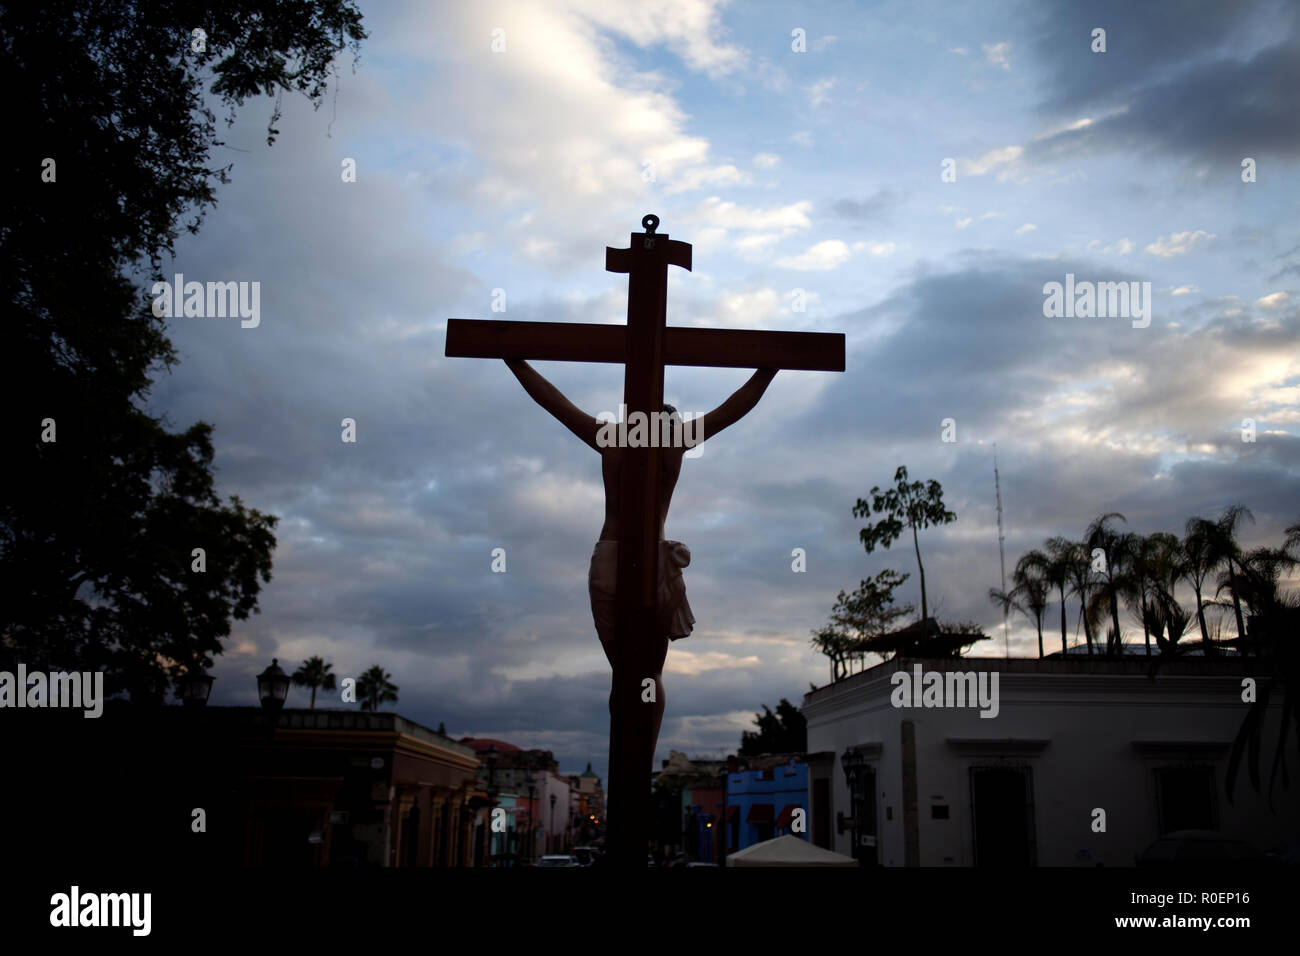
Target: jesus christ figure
point(674, 618)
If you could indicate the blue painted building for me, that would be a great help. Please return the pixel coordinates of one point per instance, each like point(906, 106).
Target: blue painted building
point(762, 803)
point(702, 815)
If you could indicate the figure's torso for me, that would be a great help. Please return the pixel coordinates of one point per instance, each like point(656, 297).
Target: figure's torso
point(670, 468)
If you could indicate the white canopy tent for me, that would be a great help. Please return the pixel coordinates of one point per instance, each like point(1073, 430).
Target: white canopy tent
point(788, 851)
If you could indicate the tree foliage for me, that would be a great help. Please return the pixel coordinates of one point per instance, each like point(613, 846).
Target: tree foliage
point(314, 673)
point(856, 618)
point(785, 731)
point(1114, 548)
point(916, 506)
point(870, 609)
point(99, 526)
point(375, 687)
point(1031, 590)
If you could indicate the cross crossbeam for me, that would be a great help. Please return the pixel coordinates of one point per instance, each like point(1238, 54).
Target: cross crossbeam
point(585, 342)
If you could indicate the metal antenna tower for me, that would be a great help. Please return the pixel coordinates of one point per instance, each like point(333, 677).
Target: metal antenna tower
point(1002, 557)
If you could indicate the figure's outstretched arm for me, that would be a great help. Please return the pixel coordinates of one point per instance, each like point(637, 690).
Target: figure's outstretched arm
point(739, 404)
point(552, 399)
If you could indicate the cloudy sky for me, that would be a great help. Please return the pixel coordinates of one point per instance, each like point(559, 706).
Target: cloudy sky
point(811, 175)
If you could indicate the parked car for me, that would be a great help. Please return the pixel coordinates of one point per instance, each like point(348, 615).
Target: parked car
point(586, 854)
point(558, 859)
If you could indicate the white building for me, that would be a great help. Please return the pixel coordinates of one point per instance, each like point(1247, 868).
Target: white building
point(1069, 746)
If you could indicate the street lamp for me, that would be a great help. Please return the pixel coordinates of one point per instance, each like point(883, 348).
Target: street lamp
point(193, 689)
point(550, 836)
point(273, 688)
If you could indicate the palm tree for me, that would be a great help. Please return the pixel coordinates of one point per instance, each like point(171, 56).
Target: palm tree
point(313, 673)
point(1257, 582)
point(1113, 545)
point(1274, 622)
point(1154, 565)
point(1167, 616)
point(1031, 593)
point(1079, 572)
point(375, 688)
point(1168, 566)
point(1292, 539)
point(1057, 572)
point(1136, 584)
point(1199, 561)
point(1223, 545)
point(1097, 611)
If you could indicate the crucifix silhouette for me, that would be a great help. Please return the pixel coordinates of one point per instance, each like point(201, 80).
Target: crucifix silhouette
point(644, 346)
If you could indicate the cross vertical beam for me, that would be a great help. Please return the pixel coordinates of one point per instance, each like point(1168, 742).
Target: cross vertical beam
point(631, 747)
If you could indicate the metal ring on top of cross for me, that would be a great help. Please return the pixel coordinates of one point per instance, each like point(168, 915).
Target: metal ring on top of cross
point(650, 223)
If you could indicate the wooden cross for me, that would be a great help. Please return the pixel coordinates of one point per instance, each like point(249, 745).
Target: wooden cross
point(644, 346)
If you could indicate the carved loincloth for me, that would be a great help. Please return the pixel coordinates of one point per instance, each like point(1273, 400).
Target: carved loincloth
point(602, 583)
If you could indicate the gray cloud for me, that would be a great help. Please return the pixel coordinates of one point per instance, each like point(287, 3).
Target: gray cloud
point(1213, 80)
point(875, 207)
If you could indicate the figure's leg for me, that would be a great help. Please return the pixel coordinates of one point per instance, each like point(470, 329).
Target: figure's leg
point(607, 647)
point(602, 586)
point(657, 660)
